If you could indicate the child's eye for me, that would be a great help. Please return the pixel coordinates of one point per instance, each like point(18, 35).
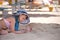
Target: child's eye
point(23, 18)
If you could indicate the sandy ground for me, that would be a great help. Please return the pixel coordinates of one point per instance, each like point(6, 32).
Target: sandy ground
point(39, 32)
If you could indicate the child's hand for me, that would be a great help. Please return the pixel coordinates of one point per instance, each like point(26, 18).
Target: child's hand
point(21, 31)
point(29, 29)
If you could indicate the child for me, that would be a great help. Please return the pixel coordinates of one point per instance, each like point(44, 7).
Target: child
point(12, 23)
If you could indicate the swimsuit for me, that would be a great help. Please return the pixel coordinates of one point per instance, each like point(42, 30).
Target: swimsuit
point(7, 23)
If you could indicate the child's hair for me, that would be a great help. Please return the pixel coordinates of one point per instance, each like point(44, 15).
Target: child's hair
point(17, 16)
point(20, 12)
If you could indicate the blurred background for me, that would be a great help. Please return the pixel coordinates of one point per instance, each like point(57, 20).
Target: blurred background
point(32, 5)
point(11, 6)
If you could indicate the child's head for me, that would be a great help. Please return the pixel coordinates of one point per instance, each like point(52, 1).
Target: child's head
point(22, 17)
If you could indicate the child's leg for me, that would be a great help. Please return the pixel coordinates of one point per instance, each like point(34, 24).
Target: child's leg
point(4, 32)
point(0, 32)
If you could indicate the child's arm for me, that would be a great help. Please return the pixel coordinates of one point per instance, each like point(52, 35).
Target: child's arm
point(12, 27)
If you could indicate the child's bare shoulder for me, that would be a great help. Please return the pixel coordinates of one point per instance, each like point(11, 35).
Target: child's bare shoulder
point(11, 19)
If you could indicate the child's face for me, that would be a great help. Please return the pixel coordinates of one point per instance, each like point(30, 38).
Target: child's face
point(22, 18)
